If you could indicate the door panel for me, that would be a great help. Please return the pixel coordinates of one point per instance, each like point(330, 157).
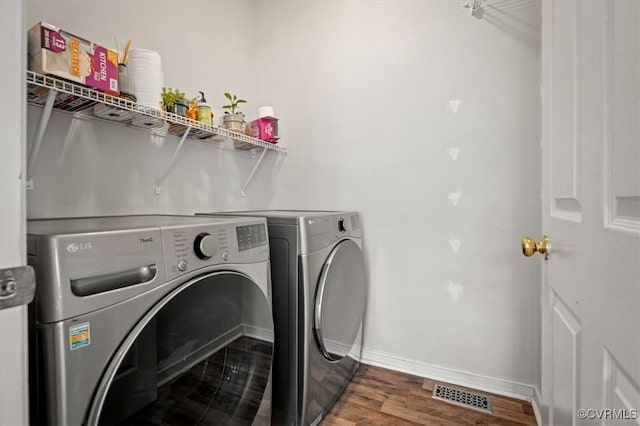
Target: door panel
point(622, 119)
point(591, 303)
point(564, 109)
point(620, 391)
point(566, 362)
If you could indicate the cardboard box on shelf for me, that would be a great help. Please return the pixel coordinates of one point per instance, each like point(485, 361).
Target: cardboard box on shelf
point(56, 52)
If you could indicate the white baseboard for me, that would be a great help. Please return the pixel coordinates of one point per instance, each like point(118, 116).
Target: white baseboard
point(536, 403)
point(460, 378)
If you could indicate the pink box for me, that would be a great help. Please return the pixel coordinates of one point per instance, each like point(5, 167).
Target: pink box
point(265, 128)
point(57, 52)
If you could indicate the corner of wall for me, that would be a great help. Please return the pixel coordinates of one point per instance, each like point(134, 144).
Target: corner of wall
point(536, 403)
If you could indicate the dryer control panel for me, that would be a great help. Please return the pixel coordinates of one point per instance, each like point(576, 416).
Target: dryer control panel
point(322, 230)
point(190, 248)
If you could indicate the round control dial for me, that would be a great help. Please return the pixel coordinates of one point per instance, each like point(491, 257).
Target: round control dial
point(205, 246)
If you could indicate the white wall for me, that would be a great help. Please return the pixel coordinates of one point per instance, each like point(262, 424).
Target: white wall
point(375, 98)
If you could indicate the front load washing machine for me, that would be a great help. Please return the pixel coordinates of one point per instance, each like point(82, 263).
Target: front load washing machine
point(319, 290)
point(151, 320)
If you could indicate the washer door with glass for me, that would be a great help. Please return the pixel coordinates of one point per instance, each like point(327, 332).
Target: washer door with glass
point(340, 301)
point(197, 358)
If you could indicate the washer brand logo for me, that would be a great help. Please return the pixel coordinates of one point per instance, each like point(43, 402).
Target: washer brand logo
point(146, 240)
point(74, 247)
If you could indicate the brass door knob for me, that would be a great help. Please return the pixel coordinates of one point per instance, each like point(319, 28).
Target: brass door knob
point(530, 246)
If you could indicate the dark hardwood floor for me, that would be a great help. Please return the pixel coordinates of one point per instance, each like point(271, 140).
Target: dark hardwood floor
point(377, 396)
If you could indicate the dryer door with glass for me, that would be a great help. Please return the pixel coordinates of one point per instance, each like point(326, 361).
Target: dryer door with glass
point(202, 355)
point(339, 302)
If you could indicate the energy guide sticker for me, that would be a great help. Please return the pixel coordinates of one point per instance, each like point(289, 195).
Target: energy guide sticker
point(79, 336)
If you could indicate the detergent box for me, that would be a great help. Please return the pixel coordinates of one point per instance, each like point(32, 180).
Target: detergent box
point(266, 128)
point(59, 53)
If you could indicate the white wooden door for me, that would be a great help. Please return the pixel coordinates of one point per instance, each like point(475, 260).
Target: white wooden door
point(591, 212)
point(13, 321)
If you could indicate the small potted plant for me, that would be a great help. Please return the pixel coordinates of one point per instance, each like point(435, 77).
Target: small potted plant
point(233, 119)
point(174, 101)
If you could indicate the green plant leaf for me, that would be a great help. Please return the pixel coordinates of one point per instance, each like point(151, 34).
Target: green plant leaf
point(241, 101)
point(228, 96)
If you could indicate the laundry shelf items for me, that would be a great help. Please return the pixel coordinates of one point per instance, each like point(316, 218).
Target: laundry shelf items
point(53, 93)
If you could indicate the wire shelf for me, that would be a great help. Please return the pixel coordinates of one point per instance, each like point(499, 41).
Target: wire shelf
point(197, 128)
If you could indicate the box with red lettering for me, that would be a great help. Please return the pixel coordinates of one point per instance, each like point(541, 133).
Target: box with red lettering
point(57, 52)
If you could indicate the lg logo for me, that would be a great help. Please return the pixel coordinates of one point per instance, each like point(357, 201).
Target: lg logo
point(74, 247)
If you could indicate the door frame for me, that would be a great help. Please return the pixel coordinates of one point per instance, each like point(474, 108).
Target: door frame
point(14, 391)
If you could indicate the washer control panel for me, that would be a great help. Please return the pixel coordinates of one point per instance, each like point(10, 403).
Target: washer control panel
point(251, 236)
point(189, 248)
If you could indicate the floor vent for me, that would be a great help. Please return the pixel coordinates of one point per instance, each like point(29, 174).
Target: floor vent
point(462, 398)
point(262, 348)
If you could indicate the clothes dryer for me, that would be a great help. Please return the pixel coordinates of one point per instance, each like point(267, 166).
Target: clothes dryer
point(151, 320)
point(319, 290)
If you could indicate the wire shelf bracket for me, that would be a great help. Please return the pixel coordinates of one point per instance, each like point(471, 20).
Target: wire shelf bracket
point(172, 162)
point(42, 129)
point(253, 172)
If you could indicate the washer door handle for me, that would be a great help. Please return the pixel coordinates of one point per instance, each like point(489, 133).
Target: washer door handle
point(102, 283)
